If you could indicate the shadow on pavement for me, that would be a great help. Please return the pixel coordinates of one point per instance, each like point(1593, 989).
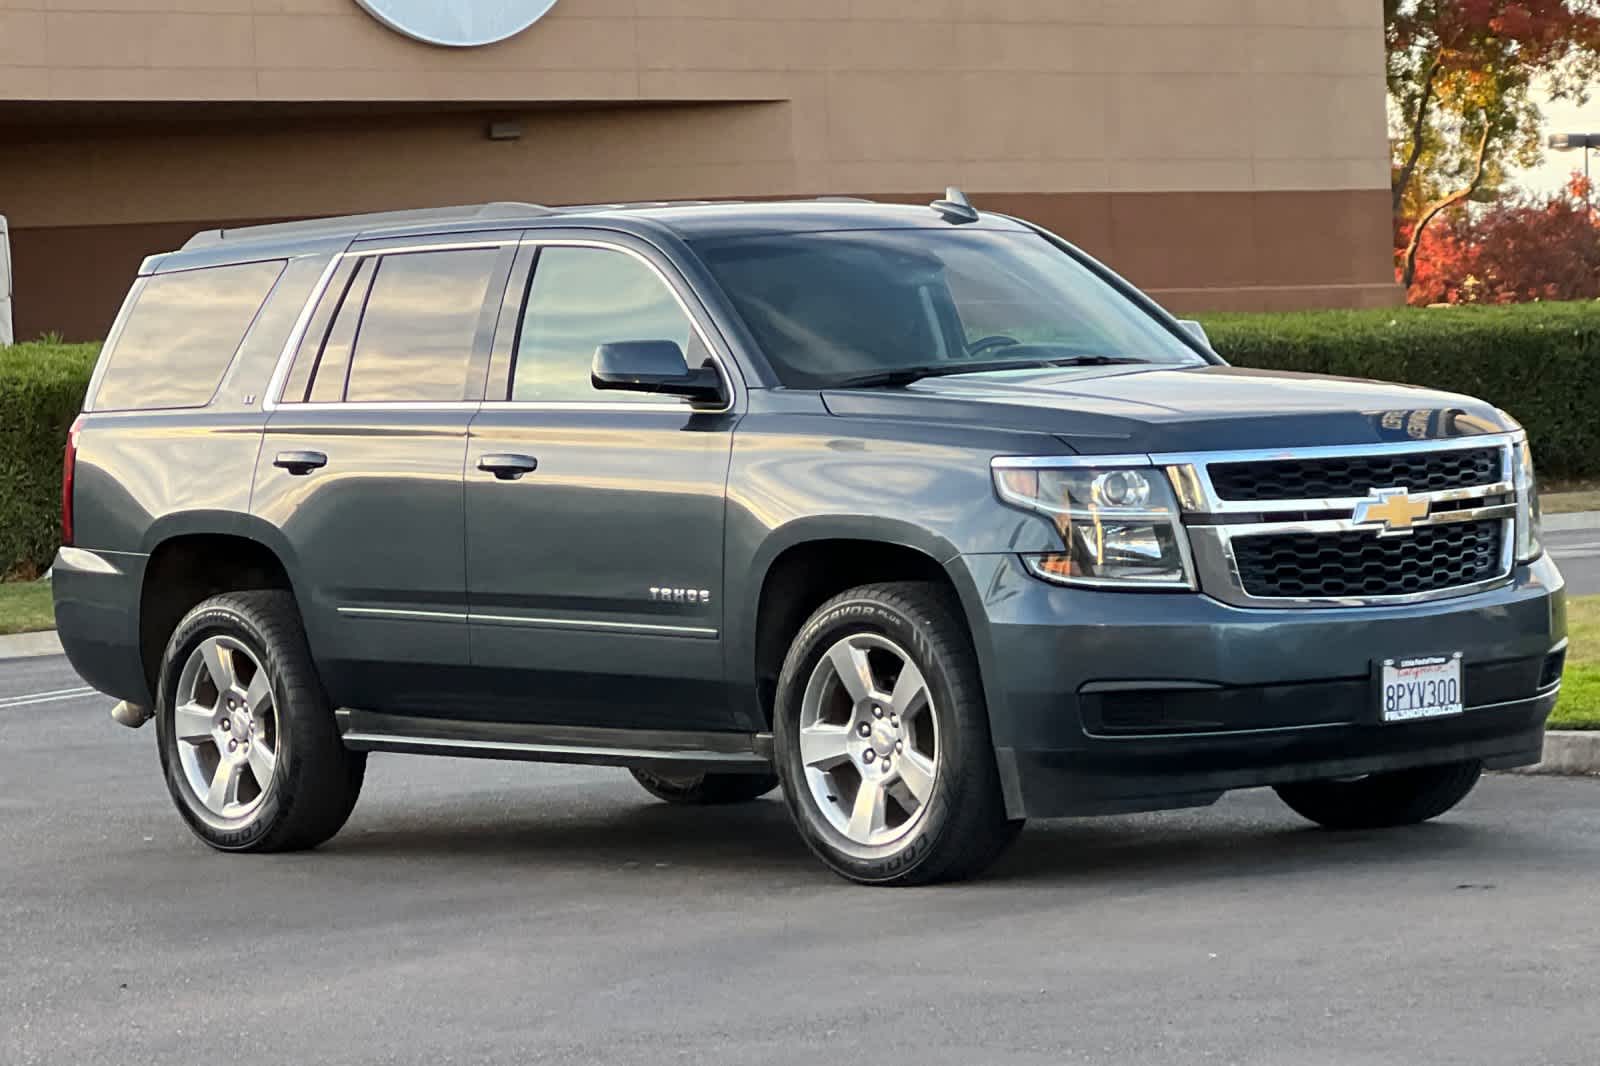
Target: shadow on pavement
point(756, 837)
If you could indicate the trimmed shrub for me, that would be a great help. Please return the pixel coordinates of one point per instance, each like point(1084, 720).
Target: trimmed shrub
point(1539, 362)
point(41, 392)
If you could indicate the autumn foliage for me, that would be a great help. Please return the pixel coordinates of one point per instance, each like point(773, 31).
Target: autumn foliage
point(1512, 252)
point(1461, 75)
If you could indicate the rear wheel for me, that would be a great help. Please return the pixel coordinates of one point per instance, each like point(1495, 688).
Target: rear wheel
point(882, 739)
point(1378, 801)
point(248, 743)
point(706, 790)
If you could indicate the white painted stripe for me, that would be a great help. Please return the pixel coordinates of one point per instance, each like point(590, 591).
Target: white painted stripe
point(47, 697)
point(47, 692)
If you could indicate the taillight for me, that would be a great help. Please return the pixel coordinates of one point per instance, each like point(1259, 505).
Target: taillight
point(69, 471)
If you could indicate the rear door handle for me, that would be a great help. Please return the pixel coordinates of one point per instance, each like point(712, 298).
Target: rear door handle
point(508, 467)
point(300, 463)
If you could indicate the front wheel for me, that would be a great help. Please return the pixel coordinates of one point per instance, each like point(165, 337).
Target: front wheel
point(1379, 801)
point(882, 739)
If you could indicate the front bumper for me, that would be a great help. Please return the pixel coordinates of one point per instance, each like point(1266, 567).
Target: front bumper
point(1107, 702)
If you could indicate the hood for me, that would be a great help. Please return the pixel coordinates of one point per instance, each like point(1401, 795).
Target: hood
point(1109, 410)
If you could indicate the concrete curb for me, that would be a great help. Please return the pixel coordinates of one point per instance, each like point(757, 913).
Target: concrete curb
point(1567, 751)
point(30, 645)
point(1566, 523)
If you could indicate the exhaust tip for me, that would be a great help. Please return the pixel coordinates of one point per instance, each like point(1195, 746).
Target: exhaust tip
point(131, 715)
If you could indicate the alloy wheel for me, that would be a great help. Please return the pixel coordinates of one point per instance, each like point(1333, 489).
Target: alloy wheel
point(226, 727)
point(869, 739)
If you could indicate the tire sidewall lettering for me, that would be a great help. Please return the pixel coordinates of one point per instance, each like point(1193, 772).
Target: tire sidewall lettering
point(891, 860)
point(216, 621)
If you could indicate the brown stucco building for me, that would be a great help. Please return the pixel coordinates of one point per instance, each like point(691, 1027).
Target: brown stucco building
point(1226, 154)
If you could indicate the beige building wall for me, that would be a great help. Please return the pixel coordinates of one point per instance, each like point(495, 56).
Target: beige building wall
point(1224, 153)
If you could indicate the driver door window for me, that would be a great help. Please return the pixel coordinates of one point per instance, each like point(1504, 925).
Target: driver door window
point(579, 299)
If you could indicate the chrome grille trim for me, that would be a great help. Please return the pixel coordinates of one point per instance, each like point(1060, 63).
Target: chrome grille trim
point(1211, 542)
point(1194, 468)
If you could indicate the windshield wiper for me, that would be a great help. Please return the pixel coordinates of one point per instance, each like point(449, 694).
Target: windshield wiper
point(907, 375)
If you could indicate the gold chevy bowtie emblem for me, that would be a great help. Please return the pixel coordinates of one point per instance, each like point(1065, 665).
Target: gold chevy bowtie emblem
point(1393, 507)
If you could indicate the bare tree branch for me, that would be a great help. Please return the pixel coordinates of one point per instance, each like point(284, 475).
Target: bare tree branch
point(1419, 125)
point(1445, 203)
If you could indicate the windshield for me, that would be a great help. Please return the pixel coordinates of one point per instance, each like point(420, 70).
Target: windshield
point(830, 308)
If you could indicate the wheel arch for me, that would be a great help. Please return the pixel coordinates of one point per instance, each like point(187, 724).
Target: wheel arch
point(807, 562)
point(193, 556)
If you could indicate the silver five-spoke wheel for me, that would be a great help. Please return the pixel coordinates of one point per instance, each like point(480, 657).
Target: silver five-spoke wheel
point(869, 739)
point(226, 727)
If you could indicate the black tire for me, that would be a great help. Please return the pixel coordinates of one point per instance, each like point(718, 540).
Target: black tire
point(1380, 801)
point(963, 828)
point(706, 790)
point(315, 780)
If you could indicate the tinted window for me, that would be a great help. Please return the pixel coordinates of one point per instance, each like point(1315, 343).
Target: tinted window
point(580, 299)
point(298, 385)
point(181, 336)
point(830, 306)
point(416, 335)
point(333, 364)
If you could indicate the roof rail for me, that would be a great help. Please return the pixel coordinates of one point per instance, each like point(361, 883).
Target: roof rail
point(357, 223)
point(637, 205)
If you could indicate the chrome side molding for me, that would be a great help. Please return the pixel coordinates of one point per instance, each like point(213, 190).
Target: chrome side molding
point(656, 749)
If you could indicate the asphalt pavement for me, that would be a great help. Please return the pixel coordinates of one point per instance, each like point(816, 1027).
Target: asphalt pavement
point(1577, 552)
point(477, 912)
point(481, 913)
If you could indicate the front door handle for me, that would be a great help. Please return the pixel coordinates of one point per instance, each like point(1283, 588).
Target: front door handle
point(508, 467)
point(300, 463)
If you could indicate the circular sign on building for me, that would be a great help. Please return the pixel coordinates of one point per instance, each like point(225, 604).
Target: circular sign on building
point(458, 23)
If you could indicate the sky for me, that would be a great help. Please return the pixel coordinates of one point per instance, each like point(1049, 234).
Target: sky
point(1563, 116)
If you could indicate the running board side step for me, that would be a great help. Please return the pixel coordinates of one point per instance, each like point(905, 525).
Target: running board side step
point(655, 749)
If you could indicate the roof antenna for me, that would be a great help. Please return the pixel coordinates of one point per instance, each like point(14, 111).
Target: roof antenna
point(955, 207)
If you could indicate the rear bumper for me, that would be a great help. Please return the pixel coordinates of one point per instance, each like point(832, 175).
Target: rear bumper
point(1111, 702)
point(97, 618)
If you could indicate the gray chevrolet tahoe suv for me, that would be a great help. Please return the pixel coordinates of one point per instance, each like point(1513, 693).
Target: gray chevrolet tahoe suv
point(919, 512)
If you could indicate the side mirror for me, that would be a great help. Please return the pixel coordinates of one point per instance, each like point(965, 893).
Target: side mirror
point(1196, 330)
point(653, 366)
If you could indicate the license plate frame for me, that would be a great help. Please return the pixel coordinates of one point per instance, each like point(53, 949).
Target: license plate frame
point(1442, 692)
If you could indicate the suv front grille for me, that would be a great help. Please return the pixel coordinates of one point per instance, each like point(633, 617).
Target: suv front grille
point(1362, 564)
point(1349, 476)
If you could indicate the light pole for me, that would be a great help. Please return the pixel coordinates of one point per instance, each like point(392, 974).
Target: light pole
point(1566, 142)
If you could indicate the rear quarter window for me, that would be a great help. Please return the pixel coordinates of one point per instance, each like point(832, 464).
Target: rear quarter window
point(181, 335)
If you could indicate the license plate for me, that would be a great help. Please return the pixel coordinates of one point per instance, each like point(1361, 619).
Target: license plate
point(1428, 686)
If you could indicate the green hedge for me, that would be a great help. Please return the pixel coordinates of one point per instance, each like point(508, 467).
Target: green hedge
point(41, 390)
point(1540, 362)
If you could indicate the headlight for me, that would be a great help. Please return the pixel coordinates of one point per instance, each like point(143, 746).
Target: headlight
point(1118, 525)
point(1530, 542)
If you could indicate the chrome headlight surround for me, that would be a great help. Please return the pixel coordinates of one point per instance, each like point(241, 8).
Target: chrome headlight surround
point(1530, 532)
point(1117, 517)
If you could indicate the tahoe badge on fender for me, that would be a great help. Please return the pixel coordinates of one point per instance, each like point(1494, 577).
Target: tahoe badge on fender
point(666, 594)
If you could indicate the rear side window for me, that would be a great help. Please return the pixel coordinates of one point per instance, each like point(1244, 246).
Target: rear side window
point(417, 330)
point(181, 335)
point(399, 328)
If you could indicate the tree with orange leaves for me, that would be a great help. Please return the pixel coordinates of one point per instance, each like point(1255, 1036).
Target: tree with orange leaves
point(1460, 79)
point(1516, 251)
